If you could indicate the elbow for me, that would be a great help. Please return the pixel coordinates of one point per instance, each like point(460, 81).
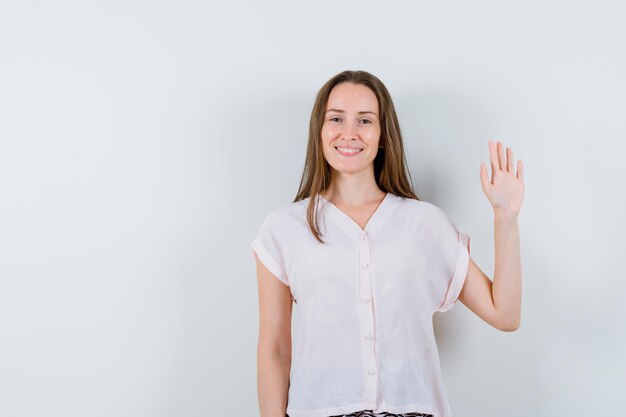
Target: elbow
point(510, 326)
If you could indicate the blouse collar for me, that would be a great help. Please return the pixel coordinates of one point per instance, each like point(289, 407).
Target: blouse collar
point(350, 226)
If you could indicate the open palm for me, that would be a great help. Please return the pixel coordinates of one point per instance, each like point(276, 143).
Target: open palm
point(505, 190)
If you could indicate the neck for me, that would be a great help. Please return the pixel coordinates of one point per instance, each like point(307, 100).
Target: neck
point(353, 189)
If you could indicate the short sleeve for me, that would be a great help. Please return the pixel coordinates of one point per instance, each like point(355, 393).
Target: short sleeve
point(267, 247)
point(455, 253)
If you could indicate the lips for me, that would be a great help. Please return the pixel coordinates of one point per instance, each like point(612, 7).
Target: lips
point(348, 151)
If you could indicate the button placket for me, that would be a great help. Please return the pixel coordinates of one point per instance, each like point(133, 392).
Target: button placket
point(364, 291)
point(364, 270)
point(367, 322)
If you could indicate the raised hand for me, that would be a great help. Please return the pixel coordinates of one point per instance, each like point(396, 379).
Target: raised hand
point(505, 190)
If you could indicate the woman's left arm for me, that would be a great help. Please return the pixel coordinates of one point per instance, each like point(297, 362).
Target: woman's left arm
point(507, 275)
point(499, 302)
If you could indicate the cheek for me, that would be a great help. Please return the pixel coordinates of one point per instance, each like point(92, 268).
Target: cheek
point(374, 136)
point(327, 134)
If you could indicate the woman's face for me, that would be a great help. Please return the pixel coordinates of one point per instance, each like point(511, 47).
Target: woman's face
point(351, 129)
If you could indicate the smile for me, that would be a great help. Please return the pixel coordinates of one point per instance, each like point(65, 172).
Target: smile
point(348, 151)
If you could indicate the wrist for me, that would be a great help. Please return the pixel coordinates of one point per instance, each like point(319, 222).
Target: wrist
point(506, 215)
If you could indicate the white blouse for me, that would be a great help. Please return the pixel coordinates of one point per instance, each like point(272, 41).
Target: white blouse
point(362, 320)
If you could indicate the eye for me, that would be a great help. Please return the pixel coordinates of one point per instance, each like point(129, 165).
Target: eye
point(335, 119)
point(366, 121)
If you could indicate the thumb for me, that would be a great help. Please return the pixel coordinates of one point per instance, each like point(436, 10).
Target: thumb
point(484, 179)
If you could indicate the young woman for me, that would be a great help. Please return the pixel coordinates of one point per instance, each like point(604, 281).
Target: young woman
point(359, 265)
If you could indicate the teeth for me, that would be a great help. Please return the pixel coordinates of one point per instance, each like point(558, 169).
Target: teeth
point(348, 150)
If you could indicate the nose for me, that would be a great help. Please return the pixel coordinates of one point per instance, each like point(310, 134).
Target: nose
point(349, 132)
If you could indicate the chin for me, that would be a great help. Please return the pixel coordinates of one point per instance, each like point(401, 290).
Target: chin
point(349, 169)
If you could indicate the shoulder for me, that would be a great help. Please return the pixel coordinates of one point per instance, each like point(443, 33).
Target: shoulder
point(424, 216)
point(286, 216)
point(289, 210)
point(422, 209)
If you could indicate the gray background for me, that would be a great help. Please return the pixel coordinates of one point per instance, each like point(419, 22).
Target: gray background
point(142, 142)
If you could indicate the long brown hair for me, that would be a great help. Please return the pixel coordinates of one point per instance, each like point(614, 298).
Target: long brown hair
point(390, 168)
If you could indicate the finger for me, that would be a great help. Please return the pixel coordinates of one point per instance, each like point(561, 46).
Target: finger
point(494, 159)
point(510, 167)
point(520, 170)
point(501, 159)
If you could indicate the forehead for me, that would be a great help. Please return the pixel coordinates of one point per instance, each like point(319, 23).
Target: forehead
point(349, 96)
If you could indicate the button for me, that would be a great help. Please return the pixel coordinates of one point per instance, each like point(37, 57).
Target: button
point(362, 237)
point(364, 265)
point(369, 337)
point(371, 372)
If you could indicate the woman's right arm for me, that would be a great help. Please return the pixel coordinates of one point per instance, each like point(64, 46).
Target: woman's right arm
point(274, 345)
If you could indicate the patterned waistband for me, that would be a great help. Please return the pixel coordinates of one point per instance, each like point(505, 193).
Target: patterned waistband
point(370, 413)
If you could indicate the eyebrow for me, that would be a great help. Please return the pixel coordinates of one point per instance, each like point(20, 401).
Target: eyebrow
point(343, 111)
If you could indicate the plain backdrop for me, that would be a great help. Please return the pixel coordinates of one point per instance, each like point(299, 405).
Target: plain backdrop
point(142, 143)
